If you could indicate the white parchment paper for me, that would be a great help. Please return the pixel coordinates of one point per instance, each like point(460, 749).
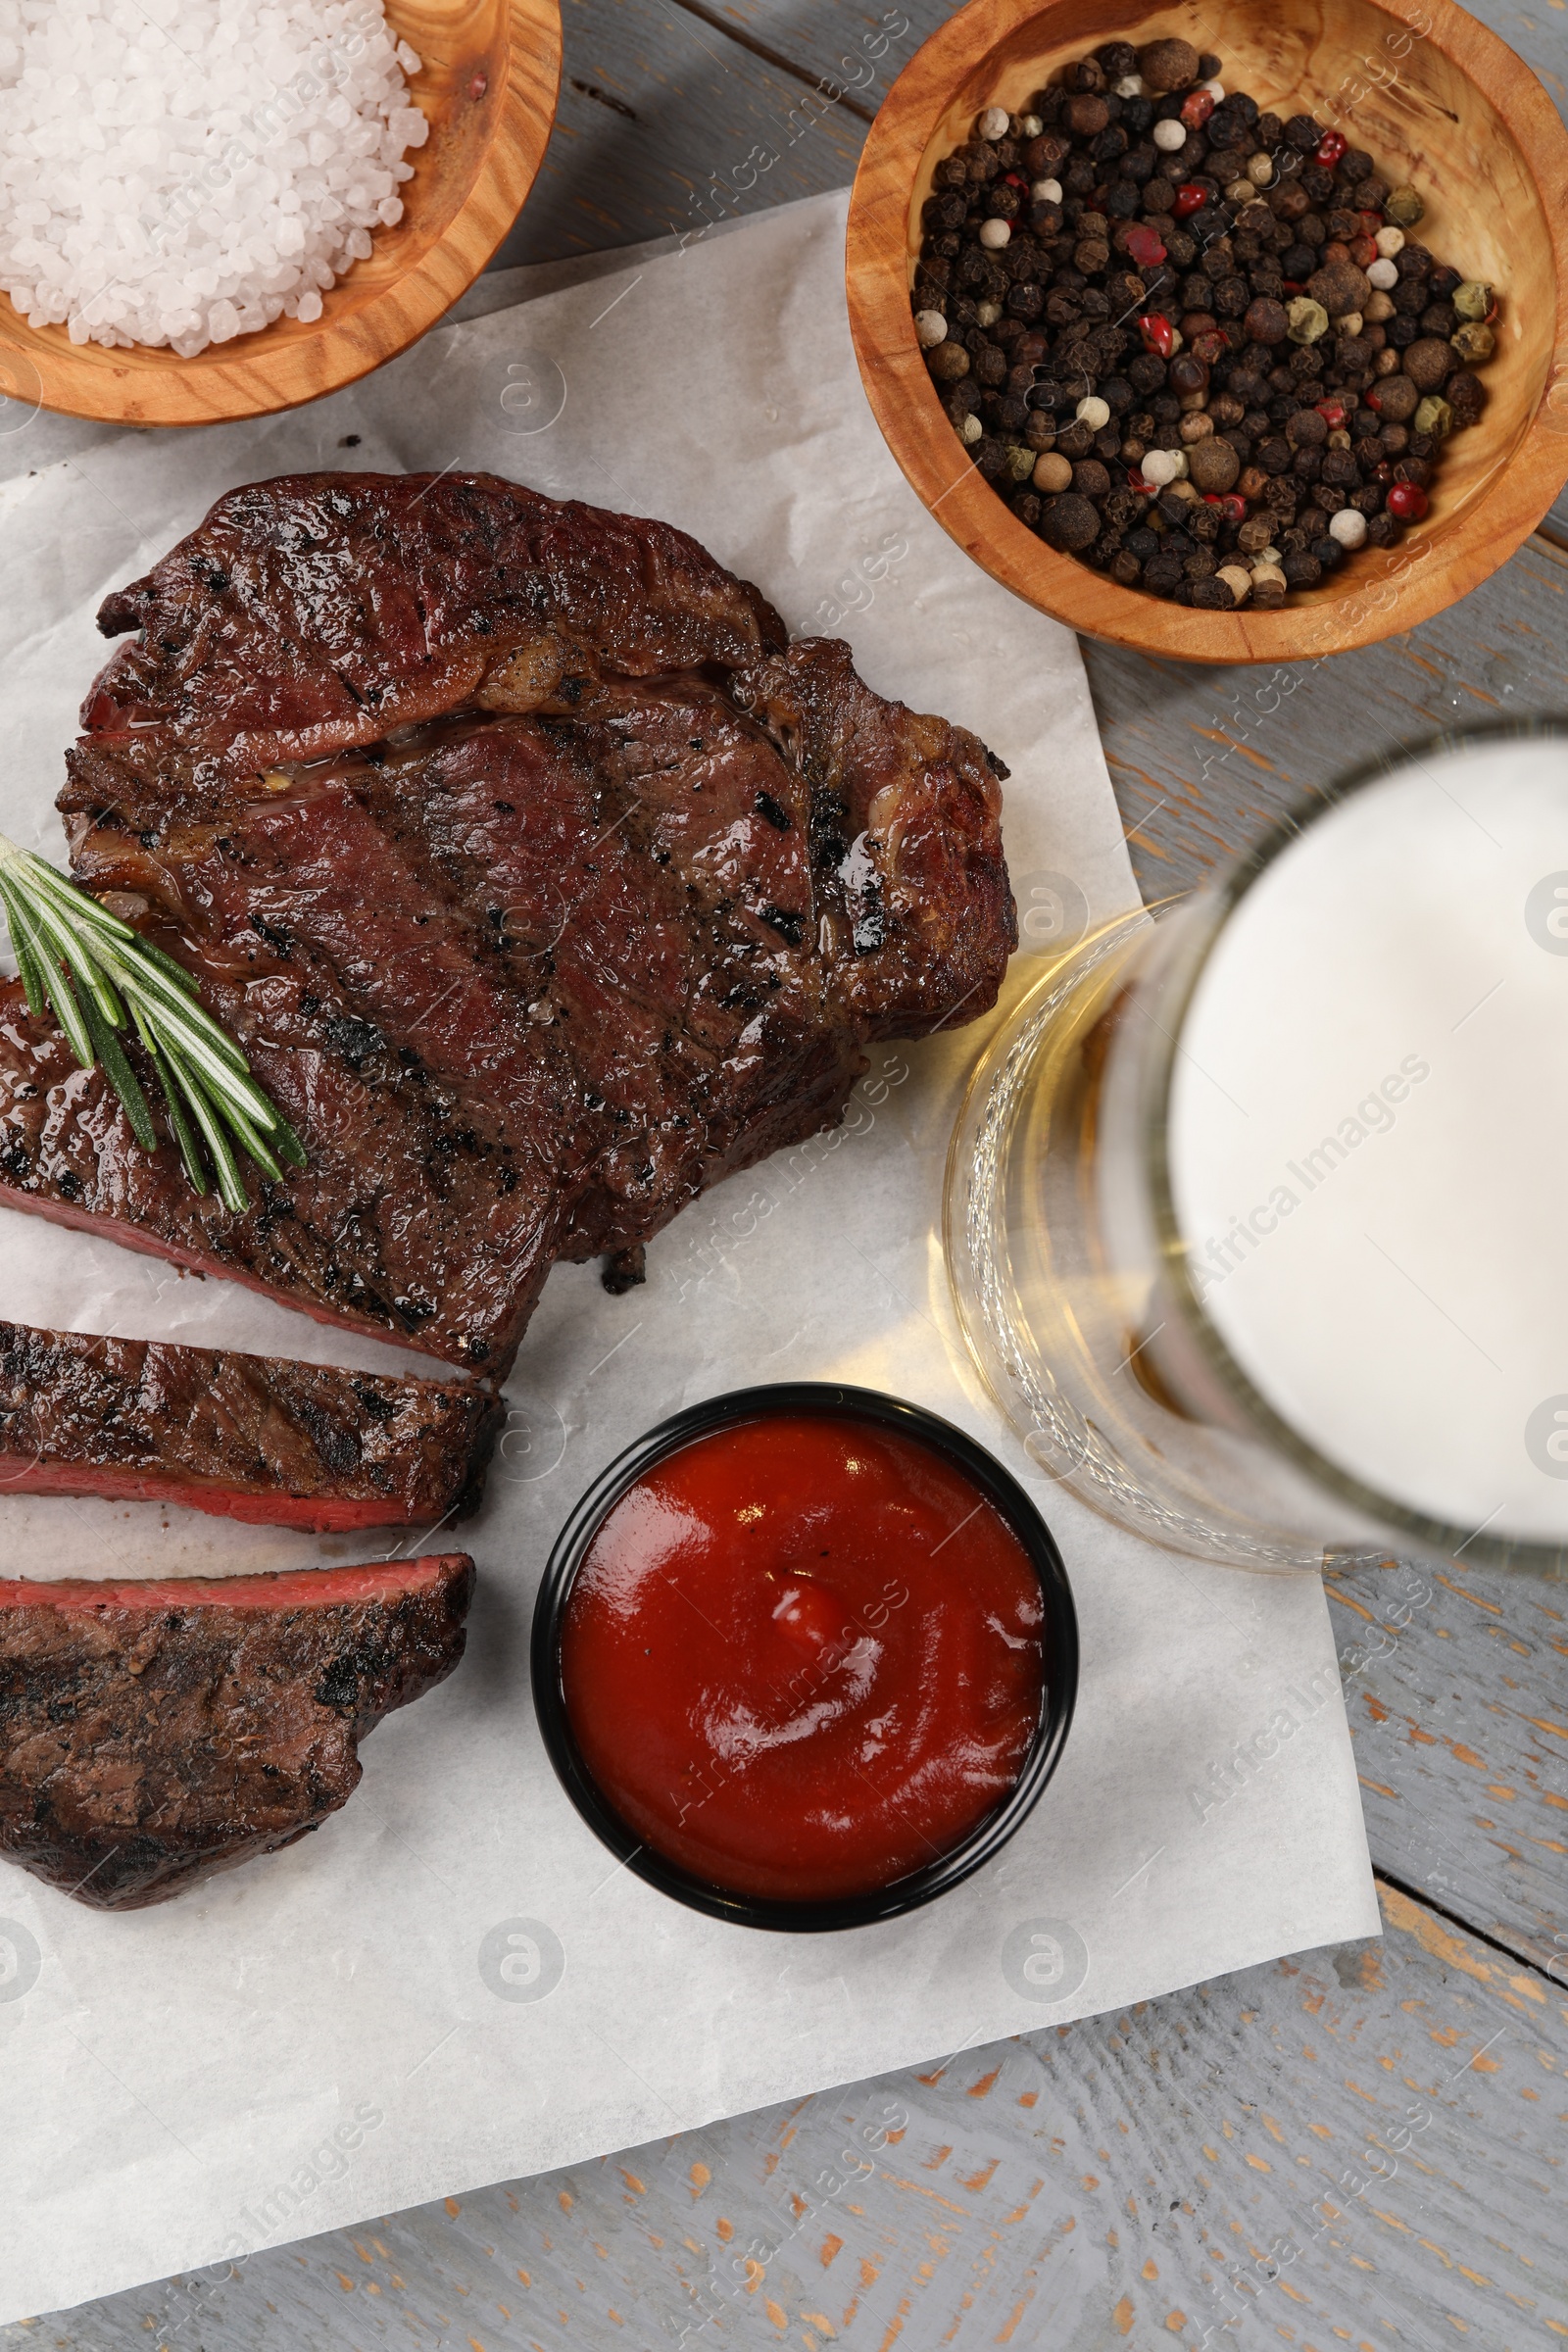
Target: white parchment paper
point(450, 1983)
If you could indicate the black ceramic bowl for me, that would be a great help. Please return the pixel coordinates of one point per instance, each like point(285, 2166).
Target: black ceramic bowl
point(1060, 1641)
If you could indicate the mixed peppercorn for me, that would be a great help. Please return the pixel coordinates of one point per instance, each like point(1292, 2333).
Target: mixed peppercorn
point(1191, 344)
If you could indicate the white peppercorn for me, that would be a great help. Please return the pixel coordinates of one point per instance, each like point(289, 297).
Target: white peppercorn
point(1094, 411)
point(1131, 86)
point(996, 234)
point(1260, 169)
point(986, 313)
point(1383, 276)
point(931, 327)
point(1047, 192)
point(1216, 89)
point(994, 123)
point(970, 431)
point(1348, 527)
point(1170, 136)
point(1389, 242)
point(1267, 559)
point(1239, 192)
point(1238, 579)
point(1159, 467)
point(1030, 126)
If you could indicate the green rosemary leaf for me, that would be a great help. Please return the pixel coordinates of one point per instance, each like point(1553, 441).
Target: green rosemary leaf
point(190, 1151)
point(28, 965)
point(180, 1007)
point(230, 1185)
point(121, 1076)
point(67, 1011)
point(67, 948)
point(288, 1143)
point(249, 1141)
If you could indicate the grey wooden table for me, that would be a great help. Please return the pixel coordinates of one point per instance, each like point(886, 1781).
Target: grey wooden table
point(1363, 2146)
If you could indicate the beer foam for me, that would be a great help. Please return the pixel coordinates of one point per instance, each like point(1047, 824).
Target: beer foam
point(1369, 1137)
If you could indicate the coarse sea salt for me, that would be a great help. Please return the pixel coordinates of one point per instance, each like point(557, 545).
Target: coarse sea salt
point(181, 171)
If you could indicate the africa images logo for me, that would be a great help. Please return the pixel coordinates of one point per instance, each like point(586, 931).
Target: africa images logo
point(1547, 1436)
point(1045, 1960)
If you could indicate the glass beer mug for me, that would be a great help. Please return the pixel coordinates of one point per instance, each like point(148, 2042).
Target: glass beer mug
point(1257, 1213)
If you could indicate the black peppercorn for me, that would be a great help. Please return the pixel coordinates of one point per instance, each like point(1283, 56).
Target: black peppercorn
point(1069, 523)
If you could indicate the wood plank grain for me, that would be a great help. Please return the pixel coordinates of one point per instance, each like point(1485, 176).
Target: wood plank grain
point(1457, 1697)
point(1204, 760)
point(1360, 2145)
point(663, 125)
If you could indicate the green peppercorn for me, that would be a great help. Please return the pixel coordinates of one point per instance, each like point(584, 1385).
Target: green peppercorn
point(1403, 207)
point(1473, 299)
point(1020, 461)
point(1474, 341)
point(1434, 417)
point(1309, 320)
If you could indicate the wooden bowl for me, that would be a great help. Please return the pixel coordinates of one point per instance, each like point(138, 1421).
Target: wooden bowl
point(1449, 108)
point(491, 72)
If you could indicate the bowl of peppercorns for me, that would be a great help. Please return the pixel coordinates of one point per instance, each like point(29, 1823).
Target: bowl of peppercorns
point(1233, 334)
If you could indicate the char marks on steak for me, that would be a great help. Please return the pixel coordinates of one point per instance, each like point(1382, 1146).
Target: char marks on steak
point(244, 1437)
point(542, 881)
point(153, 1732)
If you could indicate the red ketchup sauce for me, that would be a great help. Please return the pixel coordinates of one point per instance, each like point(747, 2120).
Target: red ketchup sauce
point(803, 1657)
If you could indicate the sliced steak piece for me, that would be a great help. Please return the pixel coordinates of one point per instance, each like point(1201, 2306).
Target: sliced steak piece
point(151, 1734)
point(542, 882)
point(244, 1437)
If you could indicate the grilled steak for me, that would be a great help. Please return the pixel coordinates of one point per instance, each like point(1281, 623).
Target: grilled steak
point(153, 1732)
point(543, 882)
point(245, 1437)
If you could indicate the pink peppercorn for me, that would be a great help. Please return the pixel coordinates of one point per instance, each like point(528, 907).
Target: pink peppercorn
point(1196, 106)
point(1189, 199)
point(1144, 247)
point(1331, 147)
point(1156, 332)
point(1408, 501)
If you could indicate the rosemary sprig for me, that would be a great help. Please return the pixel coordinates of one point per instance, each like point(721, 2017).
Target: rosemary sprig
point(96, 975)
